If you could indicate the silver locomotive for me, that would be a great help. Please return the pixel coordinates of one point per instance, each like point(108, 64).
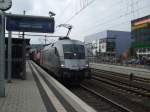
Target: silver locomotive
point(67, 59)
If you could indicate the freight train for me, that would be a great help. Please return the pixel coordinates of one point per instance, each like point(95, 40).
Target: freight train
point(66, 58)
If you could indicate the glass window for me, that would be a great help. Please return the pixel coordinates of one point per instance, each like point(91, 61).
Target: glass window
point(74, 51)
point(79, 48)
point(68, 48)
point(73, 48)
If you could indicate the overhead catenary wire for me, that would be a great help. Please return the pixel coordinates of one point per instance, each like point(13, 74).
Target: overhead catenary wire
point(61, 14)
point(119, 24)
point(129, 11)
point(115, 19)
point(132, 10)
point(120, 1)
point(63, 10)
point(83, 5)
point(78, 12)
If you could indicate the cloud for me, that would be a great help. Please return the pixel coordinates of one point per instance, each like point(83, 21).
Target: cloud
point(18, 6)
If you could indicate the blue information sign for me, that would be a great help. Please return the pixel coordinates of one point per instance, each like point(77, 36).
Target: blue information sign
point(30, 24)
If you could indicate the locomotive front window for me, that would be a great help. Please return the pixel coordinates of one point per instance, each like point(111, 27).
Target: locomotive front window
point(68, 48)
point(73, 51)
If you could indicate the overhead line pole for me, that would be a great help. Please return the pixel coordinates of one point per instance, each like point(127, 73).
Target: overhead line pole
point(2, 55)
point(9, 56)
point(24, 53)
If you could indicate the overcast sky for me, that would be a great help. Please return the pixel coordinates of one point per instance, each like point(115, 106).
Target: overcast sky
point(99, 16)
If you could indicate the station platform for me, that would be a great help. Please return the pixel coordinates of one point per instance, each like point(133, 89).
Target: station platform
point(140, 72)
point(22, 96)
point(39, 94)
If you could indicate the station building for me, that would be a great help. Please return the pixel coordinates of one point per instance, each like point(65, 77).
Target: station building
point(108, 43)
point(141, 36)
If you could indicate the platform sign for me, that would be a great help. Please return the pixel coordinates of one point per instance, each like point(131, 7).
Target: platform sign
point(30, 24)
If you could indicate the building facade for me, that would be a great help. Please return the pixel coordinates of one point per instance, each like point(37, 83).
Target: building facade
point(141, 35)
point(108, 42)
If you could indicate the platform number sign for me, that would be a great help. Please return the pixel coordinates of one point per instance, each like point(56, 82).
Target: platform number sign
point(5, 4)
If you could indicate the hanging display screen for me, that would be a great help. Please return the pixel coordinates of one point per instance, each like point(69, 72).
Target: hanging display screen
point(30, 24)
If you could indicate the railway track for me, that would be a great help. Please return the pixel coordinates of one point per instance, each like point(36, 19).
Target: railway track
point(125, 87)
point(98, 101)
point(125, 76)
point(65, 106)
point(134, 87)
point(129, 100)
point(101, 102)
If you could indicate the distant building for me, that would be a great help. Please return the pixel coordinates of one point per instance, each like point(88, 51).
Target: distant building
point(108, 42)
point(141, 35)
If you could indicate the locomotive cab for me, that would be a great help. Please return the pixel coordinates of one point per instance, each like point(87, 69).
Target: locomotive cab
point(74, 63)
point(67, 59)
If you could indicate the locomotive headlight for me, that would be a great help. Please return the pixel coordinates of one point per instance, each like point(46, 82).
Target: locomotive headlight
point(87, 65)
point(62, 64)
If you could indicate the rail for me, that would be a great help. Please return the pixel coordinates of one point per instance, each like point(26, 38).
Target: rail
point(111, 102)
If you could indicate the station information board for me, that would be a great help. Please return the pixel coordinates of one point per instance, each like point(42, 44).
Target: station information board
point(23, 23)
